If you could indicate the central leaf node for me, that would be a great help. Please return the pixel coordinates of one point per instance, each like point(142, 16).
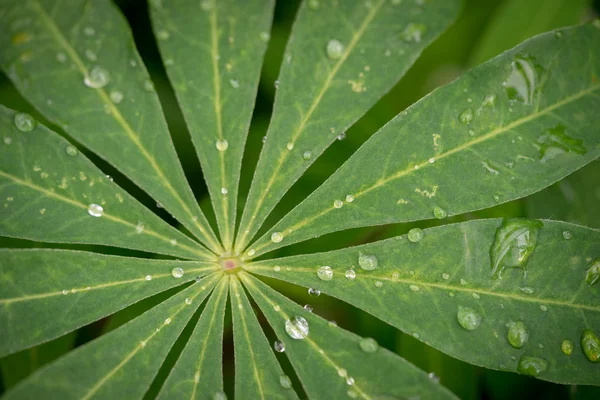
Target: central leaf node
point(230, 264)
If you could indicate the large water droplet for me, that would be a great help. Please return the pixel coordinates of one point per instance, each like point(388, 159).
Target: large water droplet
point(592, 275)
point(297, 327)
point(468, 318)
point(555, 141)
point(414, 32)
point(285, 382)
point(97, 77)
point(325, 273)
point(95, 210)
point(514, 242)
point(222, 144)
point(415, 235)
point(24, 122)
point(525, 79)
point(439, 212)
point(314, 292)
point(177, 272)
point(335, 49)
point(517, 334)
point(276, 237)
point(466, 116)
point(279, 346)
point(532, 366)
point(590, 343)
point(367, 261)
point(368, 345)
point(567, 347)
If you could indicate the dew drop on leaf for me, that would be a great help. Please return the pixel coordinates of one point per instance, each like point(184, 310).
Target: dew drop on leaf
point(350, 274)
point(264, 36)
point(116, 96)
point(514, 242)
point(439, 212)
point(97, 78)
point(341, 136)
point(524, 80)
point(276, 237)
point(517, 334)
point(224, 191)
point(148, 277)
point(414, 32)
point(532, 366)
point(335, 49)
point(415, 235)
point(434, 377)
point(95, 210)
point(590, 343)
point(163, 34)
point(554, 141)
point(567, 235)
point(139, 228)
point(222, 144)
point(251, 252)
point(368, 345)
point(367, 262)
point(285, 382)
point(314, 292)
point(592, 275)
point(290, 146)
point(188, 301)
point(297, 327)
point(279, 346)
point(313, 4)
point(234, 83)
point(219, 396)
point(308, 307)
point(349, 198)
point(338, 204)
point(307, 155)
point(325, 273)
point(566, 347)
point(468, 318)
point(24, 122)
point(466, 116)
point(71, 150)
point(177, 272)
point(148, 85)
point(489, 101)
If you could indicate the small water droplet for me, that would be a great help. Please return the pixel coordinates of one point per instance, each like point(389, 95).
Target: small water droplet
point(308, 307)
point(148, 277)
point(566, 347)
point(279, 346)
point(543, 308)
point(264, 36)
point(148, 85)
point(466, 116)
point(61, 57)
point(251, 252)
point(489, 101)
point(414, 32)
point(168, 321)
point(517, 334)
point(65, 291)
point(338, 203)
point(24, 122)
point(439, 212)
point(177, 272)
point(188, 301)
point(297, 327)
point(378, 283)
point(116, 96)
point(349, 381)
point(71, 150)
point(314, 292)
point(431, 160)
point(224, 191)
point(285, 382)
point(414, 288)
point(590, 344)
point(313, 4)
point(341, 136)
point(558, 34)
point(554, 141)
point(173, 242)
point(335, 49)
point(95, 210)
point(350, 274)
point(592, 274)
point(97, 77)
point(532, 366)
point(566, 235)
point(139, 228)
point(496, 198)
point(349, 198)
point(222, 144)
point(524, 80)
point(445, 276)
point(489, 168)
point(307, 155)
point(234, 83)
point(434, 377)
point(468, 318)
point(289, 146)
point(415, 235)
point(276, 237)
point(514, 242)
point(219, 395)
point(163, 34)
point(366, 261)
point(325, 273)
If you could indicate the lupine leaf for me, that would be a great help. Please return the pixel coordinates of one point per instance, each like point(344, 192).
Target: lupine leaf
point(342, 56)
point(198, 373)
point(47, 293)
point(77, 64)
point(122, 363)
point(258, 373)
point(506, 129)
point(420, 287)
point(47, 188)
point(213, 54)
point(330, 362)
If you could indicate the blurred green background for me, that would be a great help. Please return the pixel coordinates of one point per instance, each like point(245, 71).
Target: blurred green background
point(484, 29)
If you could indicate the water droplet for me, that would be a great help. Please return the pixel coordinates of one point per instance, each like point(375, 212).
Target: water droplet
point(163, 34)
point(368, 345)
point(338, 203)
point(148, 85)
point(97, 77)
point(168, 321)
point(415, 235)
point(308, 307)
point(468, 318)
point(366, 261)
point(489, 101)
point(527, 290)
point(65, 291)
point(349, 381)
point(234, 83)
point(517, 334)
point(439, 212)
point(264, 36)
point(95, 210)
point(297, 327)
point(173, 242)
point(341, 136)
point(378, 283)
point(592, 274)
point(276, 237)
point(116, 96)
point(524, 80)
point(532, 366)
point(466, 116)
point(313, 4)
point(325, 273)
point(590, 343)
point(335, 49)
point(445, 276)
point(314, 292)
point(61, 57)
point(307, 155)
point(566, 235)
point(558, 34)
point(463, 282)
point(413, 32)
point(219, 395)
point(224, 191)
point(414, 288)
point(566, 347)
point(222, 144)
point(188, 301)
point(71, 150)
point(148, 277)
point(543, 308)
point(514, 242)
point(555, 141)
point(285, 382)
point(24, 122)
point(279, 346)
point(139, 228)
point(350, 274)
point(177, 272)
point(251, 252)
point(289, 146)
point(349, 198)
point(489, 168)
point(497, 198)
point(434, 377)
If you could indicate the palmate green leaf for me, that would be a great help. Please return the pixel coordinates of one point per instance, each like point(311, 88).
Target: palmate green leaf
point(517, 20)
point(47, 293)
point(198, 373)
point(120, 364)
point(213, 54)
point(77, 64)
point(331, 362)
point(420, 287)
point(258, 374)
point(342, 56)
point(47, 188)
point(506, 129)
